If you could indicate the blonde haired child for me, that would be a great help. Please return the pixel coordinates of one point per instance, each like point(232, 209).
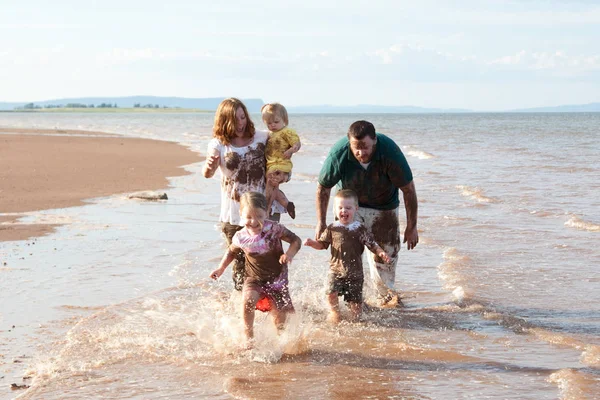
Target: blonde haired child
point(266, 262)
point(348, 239)
point(282, 144)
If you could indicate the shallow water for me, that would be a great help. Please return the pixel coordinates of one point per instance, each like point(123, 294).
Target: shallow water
point(501, 295)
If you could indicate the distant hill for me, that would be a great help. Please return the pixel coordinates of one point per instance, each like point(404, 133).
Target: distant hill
point(591, 107)
point(253, 105)
point(372, 109)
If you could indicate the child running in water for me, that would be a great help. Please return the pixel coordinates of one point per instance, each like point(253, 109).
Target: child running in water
point(348, 239)
point(282, 144)
point(266, 263)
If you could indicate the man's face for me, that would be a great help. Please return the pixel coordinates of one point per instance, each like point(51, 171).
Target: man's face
point(363, 149)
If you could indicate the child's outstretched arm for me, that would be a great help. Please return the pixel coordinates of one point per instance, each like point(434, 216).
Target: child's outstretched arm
point(368, 240)
point(295, 245)
point(225, 261)
point(315, 244)
point(382, 254)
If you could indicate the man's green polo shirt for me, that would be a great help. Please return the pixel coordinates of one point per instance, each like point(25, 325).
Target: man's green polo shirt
point(377, 186)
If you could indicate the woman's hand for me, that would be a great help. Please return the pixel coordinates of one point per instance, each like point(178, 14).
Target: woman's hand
point(212, 162)
point(210, 166)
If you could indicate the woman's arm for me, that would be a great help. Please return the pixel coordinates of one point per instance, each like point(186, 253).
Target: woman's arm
point(210, 166)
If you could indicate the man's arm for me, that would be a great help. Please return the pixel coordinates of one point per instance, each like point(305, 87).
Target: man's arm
point(323, 194)
point(411, 235)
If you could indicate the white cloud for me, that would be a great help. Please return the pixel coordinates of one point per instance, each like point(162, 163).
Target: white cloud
point(509, 60)
point(539, 16)
point(38, 26)
point(129, 55)
point(557, 61)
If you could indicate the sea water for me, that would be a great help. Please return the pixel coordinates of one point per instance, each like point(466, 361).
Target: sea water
point(501, 296)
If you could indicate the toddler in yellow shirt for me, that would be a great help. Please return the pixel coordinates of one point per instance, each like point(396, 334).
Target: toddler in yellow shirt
point(282, 144)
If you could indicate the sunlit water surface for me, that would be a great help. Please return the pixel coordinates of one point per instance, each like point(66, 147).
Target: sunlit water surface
point(501, 295)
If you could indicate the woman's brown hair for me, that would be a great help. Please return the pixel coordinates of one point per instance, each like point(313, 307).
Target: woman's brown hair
point(225, 124)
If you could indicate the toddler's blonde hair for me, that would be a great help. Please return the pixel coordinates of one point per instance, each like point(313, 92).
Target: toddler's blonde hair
point(271, 110)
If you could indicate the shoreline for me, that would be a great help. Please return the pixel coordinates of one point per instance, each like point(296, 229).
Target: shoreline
point(98, 110)
point(42, 169)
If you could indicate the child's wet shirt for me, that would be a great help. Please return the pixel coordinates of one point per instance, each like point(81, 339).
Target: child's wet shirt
point(262, 250)
point(347, 245)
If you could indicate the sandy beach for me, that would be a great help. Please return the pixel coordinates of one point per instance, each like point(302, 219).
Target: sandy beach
point(47, 169)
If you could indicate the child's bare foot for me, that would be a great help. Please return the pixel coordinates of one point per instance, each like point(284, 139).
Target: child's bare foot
point(391, 300)
point(247, 344)
point(291, 209)
point(334, 317)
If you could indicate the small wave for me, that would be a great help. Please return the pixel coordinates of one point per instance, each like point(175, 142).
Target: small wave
point(541, 213)
point(575, 384)
point(72, 307)
point(302, 226)
point(475, 194)
point(306, 177)
point(421, 155)
point(582, 225)
point(590, 353)
point(450, 273)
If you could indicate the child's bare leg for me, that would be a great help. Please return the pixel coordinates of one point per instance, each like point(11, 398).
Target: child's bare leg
point(334, 308)
point(271, 192)
point(281, 197)
point(279, 318)
point(249, 299)
point(355, 310)
point(283, 200)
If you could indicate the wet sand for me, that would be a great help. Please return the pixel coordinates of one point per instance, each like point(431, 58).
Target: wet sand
point(46, 169)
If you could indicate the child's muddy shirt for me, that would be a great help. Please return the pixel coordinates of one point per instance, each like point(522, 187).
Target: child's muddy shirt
point(279, 142)
point(263, 250)
point(347, 245)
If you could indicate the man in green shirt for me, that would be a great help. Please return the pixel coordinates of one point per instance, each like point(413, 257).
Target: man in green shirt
point(374, 167)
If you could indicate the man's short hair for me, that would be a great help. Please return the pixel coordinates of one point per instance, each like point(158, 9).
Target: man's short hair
point(360, 129)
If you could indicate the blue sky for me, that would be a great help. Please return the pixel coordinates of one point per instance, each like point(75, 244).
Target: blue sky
point(481, 55)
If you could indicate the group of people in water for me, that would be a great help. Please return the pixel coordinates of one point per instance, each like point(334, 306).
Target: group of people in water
point(369, 170)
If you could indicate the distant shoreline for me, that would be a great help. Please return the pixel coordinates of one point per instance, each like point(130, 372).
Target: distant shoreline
point(95, 110)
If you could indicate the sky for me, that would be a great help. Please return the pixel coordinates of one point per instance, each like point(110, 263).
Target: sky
point(480, 55)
